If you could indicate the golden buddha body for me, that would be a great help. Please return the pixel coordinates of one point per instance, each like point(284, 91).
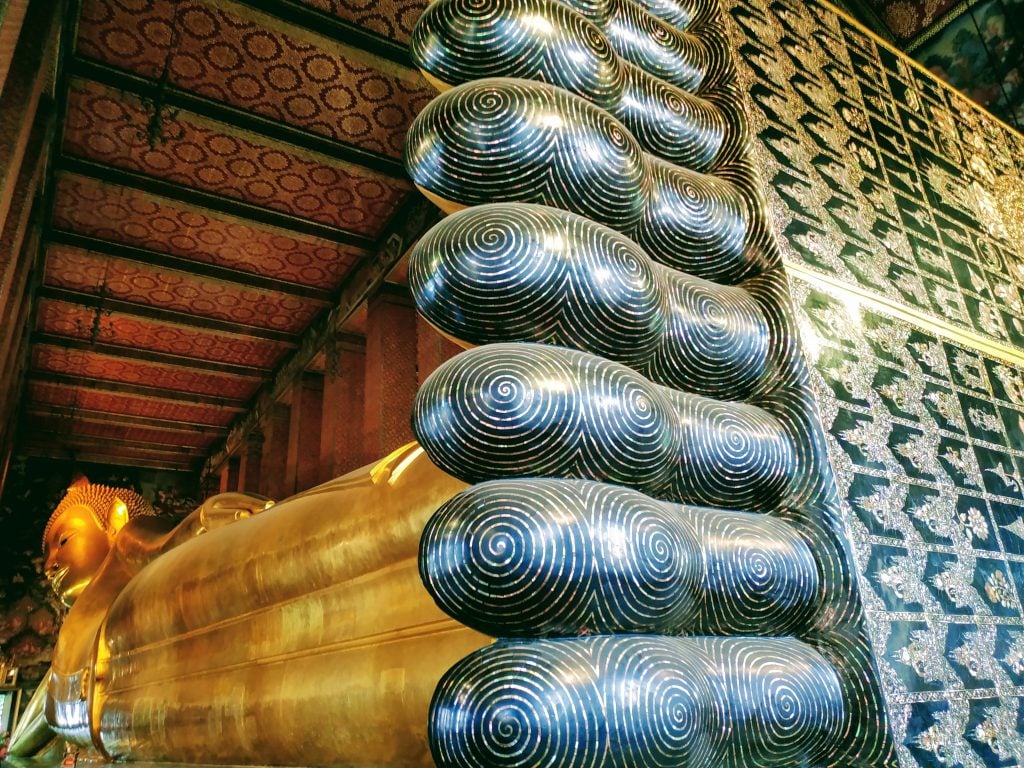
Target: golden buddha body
point(236, 637)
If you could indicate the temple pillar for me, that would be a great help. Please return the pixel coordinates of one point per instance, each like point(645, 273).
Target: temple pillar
point(303, 463)
point(432, 349)
point(229, 474)
point(250, 463)
point(390, 370)
point(341, 434)
point(276, 424)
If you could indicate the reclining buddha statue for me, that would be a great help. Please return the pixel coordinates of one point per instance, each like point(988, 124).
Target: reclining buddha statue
point(250, 630)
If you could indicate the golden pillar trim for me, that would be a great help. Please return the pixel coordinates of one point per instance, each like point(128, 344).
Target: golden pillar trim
point(1006, 353)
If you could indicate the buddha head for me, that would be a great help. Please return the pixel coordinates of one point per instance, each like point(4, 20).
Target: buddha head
point(81, 531)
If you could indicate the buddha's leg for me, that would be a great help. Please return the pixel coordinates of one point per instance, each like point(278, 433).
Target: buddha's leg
point(299, 636)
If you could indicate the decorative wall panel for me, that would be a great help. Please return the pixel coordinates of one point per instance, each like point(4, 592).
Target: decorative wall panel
point(900, 206)
point(927, 441)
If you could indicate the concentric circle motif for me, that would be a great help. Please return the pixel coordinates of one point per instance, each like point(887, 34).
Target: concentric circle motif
point(519, 272)
point(616, 231)
point(541, 557)
point(506, 140)
point(507, 410)
point(637, 701)
point(457, 41)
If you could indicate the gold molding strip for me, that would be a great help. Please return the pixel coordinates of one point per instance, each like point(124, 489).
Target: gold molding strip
point(931, 323)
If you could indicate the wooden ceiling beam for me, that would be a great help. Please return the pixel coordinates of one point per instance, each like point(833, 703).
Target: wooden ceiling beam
point(92, 441)
point(136, 390)
point(123, 420)
point(109, 455)
point(229, 206)
point(267, 128)
point(149, 356)
point(191, 266)
point(105, 303)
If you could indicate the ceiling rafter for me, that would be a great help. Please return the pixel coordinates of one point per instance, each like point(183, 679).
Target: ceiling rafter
point(54, 445)
point(149, 356)
point(226, 205)
point(106, 303)
point(267, 128)
point(101, 456)
point(136, 390)
point(123, 420)
point(187, 452)
point(202, 268)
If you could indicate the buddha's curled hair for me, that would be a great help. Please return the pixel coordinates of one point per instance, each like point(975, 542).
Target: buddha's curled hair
point(100, 499)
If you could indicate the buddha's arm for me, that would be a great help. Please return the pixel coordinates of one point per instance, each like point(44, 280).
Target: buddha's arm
point(32, 733)
point(216, 512)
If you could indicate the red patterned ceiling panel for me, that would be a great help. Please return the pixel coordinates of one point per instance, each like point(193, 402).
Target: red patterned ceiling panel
point(135, 218)
point(237, 56)
point(393, 19)
point(118, 432)
point(110, 127)
point(90, 272)
point(124, 371)
point(80, 322)
point(130, 405)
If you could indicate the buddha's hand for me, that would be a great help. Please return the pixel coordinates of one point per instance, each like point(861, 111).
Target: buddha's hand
point(224, 508)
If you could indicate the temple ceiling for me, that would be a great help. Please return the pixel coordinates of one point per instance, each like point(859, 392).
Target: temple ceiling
point(224, 182)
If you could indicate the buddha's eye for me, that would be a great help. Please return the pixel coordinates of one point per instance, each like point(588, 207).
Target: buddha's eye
point(64, 541)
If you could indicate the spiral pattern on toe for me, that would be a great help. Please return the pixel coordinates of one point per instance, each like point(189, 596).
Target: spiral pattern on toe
point(525, 409)
point(759, 576)
point(545, 557)
point(718, 342)
point(532, 273)
point(636, 702)
point(522, 409)
point(514, 708)
point(731, 454)
point(457, 41)
point(506, 272)
point(791, 698)
point(517, 140)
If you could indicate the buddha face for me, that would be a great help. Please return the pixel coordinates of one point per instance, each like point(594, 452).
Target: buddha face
point(76, 546)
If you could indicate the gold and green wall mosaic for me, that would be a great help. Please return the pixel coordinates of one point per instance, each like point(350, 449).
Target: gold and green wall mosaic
point(900, 211)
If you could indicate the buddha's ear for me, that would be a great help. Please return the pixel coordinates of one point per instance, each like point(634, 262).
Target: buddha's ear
point(117, 516)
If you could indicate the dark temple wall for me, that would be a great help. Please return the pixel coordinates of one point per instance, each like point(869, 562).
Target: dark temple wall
point(900, 211)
